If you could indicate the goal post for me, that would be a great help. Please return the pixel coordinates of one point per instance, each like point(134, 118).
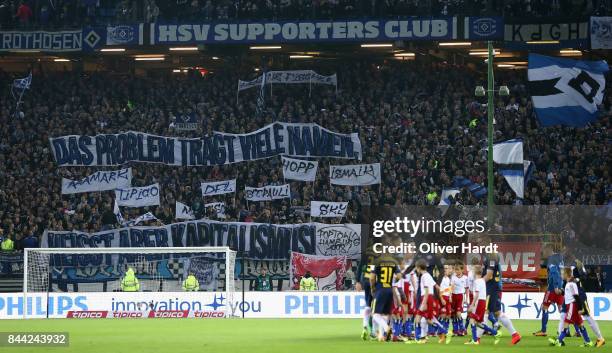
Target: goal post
point(49, 270)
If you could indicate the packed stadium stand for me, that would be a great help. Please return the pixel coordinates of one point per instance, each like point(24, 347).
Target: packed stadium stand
point(416, 114)
point(413, 116)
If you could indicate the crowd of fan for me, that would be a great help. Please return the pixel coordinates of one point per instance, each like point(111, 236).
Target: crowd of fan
point(419, 120)
point(29, 14)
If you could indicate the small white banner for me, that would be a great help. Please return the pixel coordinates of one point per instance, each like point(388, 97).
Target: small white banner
point(102, 180)
point(355, 174)
point(290, 77)
point(219, 207)
point(138, 196)
point(218, 187)
point(299, 169)
point(267, 193)
point(328, 209)
point(183, 211)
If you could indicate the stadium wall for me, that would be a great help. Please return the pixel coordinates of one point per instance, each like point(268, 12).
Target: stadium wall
point(255, 304)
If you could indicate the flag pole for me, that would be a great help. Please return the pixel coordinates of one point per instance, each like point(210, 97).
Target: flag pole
point(490, 112)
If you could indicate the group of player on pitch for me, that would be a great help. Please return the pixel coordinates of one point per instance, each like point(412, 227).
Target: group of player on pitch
point(409, 305)
point(565, 291)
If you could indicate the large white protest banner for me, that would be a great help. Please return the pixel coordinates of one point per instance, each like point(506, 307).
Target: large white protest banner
point(279, 138)
point(138, 196)
point(212, 188)
point(299, 169)
point(183, 211)
point(290, 77)
point(102, 180)
point(338, 239)
point(256, 240)
point(355, 175)
point(218, 207)
point(267, 193)
point(328, 209)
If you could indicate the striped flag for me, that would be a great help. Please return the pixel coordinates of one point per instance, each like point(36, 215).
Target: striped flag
point(565, 91)
point(509, 158)
point(118, 214)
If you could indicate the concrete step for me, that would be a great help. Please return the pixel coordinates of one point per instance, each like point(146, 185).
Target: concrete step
point(11, 284)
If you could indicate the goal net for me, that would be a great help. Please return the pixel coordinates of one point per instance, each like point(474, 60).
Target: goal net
point(49, 270)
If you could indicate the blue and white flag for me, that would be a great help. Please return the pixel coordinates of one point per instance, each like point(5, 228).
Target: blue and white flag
point(477, 190)
point(182, 211)
point(509, 158)
point(23, 83)
point(446, 193)
point(528, 167)
point(142, 218)
point(565, 91)
point(19, 86)
point(118, 214)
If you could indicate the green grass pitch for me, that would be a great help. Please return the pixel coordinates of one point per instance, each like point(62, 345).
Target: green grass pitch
point(258, 336)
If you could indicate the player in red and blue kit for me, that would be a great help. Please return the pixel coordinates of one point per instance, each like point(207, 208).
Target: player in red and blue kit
point(574, 310)
point(410, 285)
point(427, 309)
point(554, 294)
point(579, 272)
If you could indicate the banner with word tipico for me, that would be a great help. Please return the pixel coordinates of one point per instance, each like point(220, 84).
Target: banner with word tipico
point(138, 196)
point(205, 305)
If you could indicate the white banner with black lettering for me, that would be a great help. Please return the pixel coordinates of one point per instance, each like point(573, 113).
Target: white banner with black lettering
point(338, 239)
point(183, 211)
point(355, 175)
point(218, 207)
point(102, 180)
point(299, 169)
point(328, 209)
point(290, 77)
point(307, 140)
point(267, 193)
point(212, 188)
point(138, 196)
